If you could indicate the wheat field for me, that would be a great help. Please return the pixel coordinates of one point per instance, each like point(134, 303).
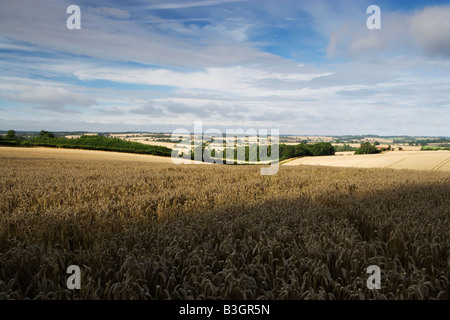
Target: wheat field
point(414, 160)
point(154, 230)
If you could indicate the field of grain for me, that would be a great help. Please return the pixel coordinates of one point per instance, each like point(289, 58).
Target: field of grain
point(153, 230)
point(414, 160)
point(76, 154)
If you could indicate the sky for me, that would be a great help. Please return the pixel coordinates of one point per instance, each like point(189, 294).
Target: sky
point(304, 67)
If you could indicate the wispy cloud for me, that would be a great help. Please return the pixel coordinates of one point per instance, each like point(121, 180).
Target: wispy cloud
point(188, 4)
point(238, 80)
point(51, 96)
point(110, 12)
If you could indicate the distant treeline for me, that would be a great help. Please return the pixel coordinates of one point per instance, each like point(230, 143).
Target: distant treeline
point(91, 143)
point(168, 140)
point(434, 148)
point(423, 142)
point(345, 147)
point(306, 150)
point(285, 152)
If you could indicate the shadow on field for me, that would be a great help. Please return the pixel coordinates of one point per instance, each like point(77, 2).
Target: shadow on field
point(316, 246)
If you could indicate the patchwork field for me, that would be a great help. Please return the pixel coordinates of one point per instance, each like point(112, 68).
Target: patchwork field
point(146, 229)
point(416, 160)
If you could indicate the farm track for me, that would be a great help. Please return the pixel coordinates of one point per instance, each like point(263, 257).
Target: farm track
point(443, 163)
point(393, 164)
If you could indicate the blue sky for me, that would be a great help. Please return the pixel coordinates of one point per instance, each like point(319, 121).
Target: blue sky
point(304, 67)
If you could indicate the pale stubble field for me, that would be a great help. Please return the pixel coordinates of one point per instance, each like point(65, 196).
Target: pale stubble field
point(413, 160)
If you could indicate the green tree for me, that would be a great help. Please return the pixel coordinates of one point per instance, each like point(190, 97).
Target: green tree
point(11, 135)
point(322, 149)
point(345, 147)
point(367, 148)
point(46, 134)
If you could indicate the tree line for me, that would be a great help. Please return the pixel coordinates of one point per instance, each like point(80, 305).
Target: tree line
point(252, 152)
point(48, 139)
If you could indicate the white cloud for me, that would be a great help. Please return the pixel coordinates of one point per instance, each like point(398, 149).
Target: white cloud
point(430, 29)
point(425, 31)
point(237, 80)
point(50, 96)
point(110, 12)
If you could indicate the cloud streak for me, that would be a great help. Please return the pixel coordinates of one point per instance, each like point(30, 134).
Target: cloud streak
point(51, 96)
point(243, 81)
point(170, 5)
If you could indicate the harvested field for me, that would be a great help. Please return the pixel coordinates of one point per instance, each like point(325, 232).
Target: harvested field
point(153, 230)
point(75, 154)
point(414, 160)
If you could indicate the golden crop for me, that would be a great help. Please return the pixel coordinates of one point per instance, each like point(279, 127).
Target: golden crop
point(160, 231)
